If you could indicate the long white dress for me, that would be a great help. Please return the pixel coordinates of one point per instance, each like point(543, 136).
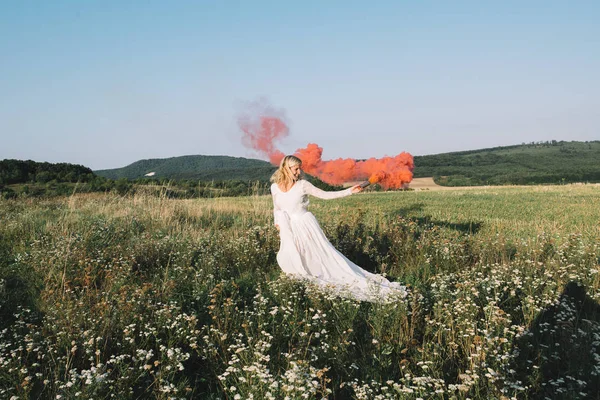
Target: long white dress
point(306, 253)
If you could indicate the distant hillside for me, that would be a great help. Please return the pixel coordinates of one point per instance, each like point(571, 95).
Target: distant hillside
point(19, 171)
point(19, 178)
point(195, 167)
point(535, 163)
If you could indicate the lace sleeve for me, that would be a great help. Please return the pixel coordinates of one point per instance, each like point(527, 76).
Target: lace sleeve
point(309, 188)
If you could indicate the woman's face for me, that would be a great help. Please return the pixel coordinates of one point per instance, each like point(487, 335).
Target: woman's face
point(295, 170)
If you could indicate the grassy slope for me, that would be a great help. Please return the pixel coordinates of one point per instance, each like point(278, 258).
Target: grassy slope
point(195, 167)
point(561, 162)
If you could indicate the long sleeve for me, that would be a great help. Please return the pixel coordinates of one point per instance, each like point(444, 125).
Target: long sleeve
point(310, 189)
point(276, 209)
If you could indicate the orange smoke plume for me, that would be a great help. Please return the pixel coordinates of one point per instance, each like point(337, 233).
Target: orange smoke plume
point(263, 127)
point(389, 172)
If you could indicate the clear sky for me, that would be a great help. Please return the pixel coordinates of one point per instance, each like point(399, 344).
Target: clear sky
point(106, 83)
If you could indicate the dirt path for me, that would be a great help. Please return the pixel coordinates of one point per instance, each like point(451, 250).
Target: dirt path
point(426, 184)
point(429, 184)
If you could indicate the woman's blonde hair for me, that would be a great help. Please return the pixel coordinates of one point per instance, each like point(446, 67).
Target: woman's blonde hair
point(284, 174)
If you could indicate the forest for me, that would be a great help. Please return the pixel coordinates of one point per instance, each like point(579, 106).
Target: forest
point(33, 179)
point(550, 162)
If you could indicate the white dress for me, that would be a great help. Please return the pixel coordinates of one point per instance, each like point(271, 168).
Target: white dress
point(306, 253)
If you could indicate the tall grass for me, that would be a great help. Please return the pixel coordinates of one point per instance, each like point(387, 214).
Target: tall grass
point(103, 296)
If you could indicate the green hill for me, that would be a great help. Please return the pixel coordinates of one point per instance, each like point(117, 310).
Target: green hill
point(552, 162)
point(535, 163)
point(196, 168)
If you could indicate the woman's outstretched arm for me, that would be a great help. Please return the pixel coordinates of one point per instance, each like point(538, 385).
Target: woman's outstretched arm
point(311, 189)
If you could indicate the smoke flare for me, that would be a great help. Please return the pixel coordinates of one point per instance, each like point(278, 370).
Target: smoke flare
point(389, 172)
point(263, 126)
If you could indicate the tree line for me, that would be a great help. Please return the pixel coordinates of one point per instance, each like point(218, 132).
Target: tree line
point(17, 171)
point(33, 179)
point(551, 162)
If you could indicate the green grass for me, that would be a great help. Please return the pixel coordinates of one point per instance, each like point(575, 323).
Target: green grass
point(150, 297)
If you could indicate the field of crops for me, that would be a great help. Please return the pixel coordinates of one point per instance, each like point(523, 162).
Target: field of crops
point(145, 297)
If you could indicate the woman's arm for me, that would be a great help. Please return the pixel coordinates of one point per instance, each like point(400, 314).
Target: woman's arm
point(309, 188)
point(276, 210)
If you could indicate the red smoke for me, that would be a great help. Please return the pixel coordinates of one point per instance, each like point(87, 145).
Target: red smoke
point(389, 172)
point(261, 133)
point(263, 126)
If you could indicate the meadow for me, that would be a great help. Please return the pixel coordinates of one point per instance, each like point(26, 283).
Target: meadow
point(144, 297)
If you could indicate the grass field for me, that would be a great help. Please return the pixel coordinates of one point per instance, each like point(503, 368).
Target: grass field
point(103, 296)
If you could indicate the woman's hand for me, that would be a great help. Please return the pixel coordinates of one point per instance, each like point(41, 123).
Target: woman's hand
point(357, 189)
point(277, 226)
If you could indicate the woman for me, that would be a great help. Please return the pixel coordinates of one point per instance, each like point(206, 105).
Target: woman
point(305, 252)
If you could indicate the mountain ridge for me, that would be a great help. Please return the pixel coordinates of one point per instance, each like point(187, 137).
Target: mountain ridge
point(200, 167)
point(550, 162)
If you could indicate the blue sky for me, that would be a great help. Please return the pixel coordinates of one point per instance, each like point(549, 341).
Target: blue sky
point(106, 83)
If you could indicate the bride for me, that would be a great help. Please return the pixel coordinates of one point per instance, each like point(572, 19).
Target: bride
point(305, 252)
